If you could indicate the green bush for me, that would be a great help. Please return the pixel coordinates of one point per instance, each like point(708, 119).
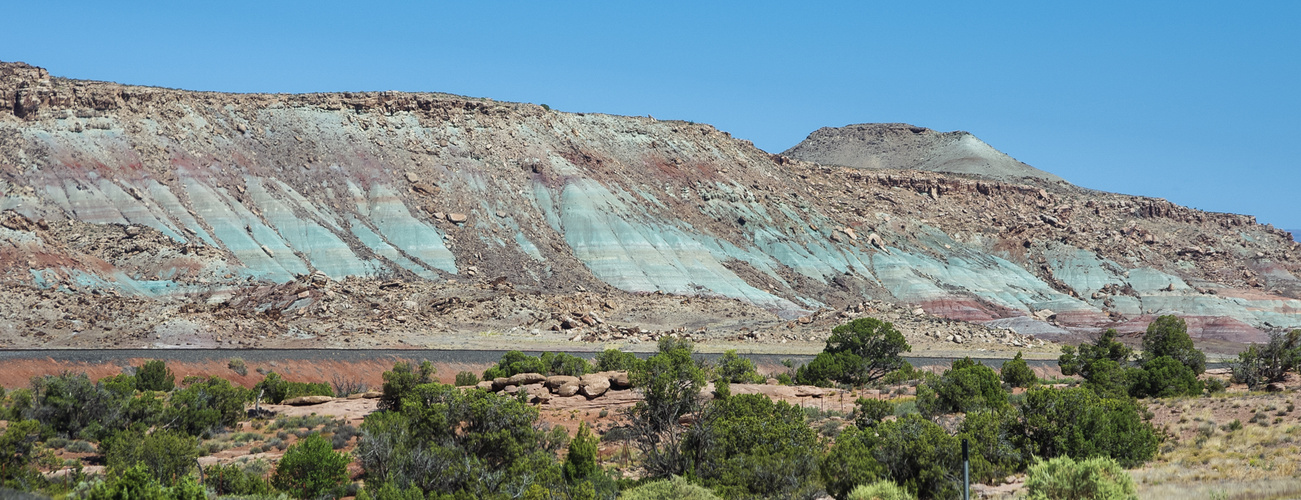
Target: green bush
point(1106, 347)
point(1077, 422)
point(206, 406)
point(311, 467)
point(670, 383)
point(1109, 380)
point(136, 482)
point(748, 446)
point(443, 439)
point(1165, 377)
point(880, 490)
point(237, 365)
point(1259, 365)
point(559, 363)
point(1063, 478)
point(549, 363)
point(71, 406)
point(993, 437)
point(616, 360)
point(736, 369)
point(1168, 336)
point(580, 462)
point(18, 453)
point(870, 412)
point(276, 389)
point(399, 382)
point(230, 479)
point(850, 462)
point(466, 379)
point(858, 352)
point(674, 487)
point(1017, 373)
point(155, 376)
point(968, 386)
point(167, 455)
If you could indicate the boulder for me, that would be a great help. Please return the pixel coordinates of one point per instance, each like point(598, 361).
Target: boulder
point(620, 380)
point(372, 394)
point(500, 383)
point(804, 391)
point(594, 385)
point(537, 393)
point(556, 381)
point(456, 218)
point(511, 389)
point(307, 400)
point(526, 379)
point(568, 390)
point(486, 385)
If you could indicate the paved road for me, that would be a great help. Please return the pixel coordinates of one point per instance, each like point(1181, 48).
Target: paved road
point(356, 355)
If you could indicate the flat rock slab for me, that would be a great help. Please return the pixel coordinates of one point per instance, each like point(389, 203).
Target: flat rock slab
point(307, 400)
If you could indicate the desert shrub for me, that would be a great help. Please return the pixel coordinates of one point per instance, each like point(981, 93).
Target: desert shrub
point(784, 379)
point(870, 412)
point(1165, 377)
point(670, 383)
point(850, 463)
point(736, 369)
point(276, 389)
point(1063, 478)
point(399, 382)
point(919, 455)
point(1017, 373)
point(72, 406)
point(995, 441)
point(18, 453)
point(452, 441)
point(1168, 336)
point(464, 379)
point(1110, 380)
point(56, 443)
point(345, 386)
point(311, 467)
point(237, 365)
point(388, 491)
point(1078, 361)
point(1215, 385)
point(880, 490)
point(136, 482)
point(582, 469)
point(905, 373)
point(616, 360)
point(749, 446)
point(1077, 422)
point(342, 435)
point(966, 387)
point(858, 352)
point(1259, 365)
point(559, 363)
point(231, 479)
point(513, 362)
point(674, 487)
point(80, 446)
point(206, 406)
point(167, 455)
point(155, 376)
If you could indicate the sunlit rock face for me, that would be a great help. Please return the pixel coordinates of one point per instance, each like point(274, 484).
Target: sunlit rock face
point(174, 195)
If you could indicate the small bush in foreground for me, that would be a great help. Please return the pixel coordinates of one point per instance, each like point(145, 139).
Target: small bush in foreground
point(675, 487)
point(155, 376)
point(1063, 478)
point(880, 490)
point(311, 467)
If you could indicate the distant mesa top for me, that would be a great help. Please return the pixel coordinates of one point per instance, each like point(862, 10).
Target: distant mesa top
point(904, 146)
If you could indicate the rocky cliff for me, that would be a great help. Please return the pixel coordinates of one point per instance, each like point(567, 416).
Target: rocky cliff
point(135, 215)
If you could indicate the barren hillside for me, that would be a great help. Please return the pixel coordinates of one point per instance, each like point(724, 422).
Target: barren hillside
point(137, 216)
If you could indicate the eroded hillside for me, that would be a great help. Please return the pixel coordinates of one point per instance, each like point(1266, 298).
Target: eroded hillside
point(145, 216)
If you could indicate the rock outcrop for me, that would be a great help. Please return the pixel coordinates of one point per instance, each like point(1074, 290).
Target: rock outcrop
point(135, 216)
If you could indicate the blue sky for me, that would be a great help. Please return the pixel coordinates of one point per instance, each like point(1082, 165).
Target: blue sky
point(1196, 102)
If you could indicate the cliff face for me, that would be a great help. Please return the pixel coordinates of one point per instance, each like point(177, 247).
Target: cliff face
point(138, 204)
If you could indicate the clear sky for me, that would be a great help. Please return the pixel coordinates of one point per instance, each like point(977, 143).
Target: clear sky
point(1197, 102)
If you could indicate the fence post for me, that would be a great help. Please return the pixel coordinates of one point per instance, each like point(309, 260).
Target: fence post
point(966, 472)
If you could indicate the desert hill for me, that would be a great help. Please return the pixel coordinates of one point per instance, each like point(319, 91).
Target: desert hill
point(139, 216)
point(899, 146)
